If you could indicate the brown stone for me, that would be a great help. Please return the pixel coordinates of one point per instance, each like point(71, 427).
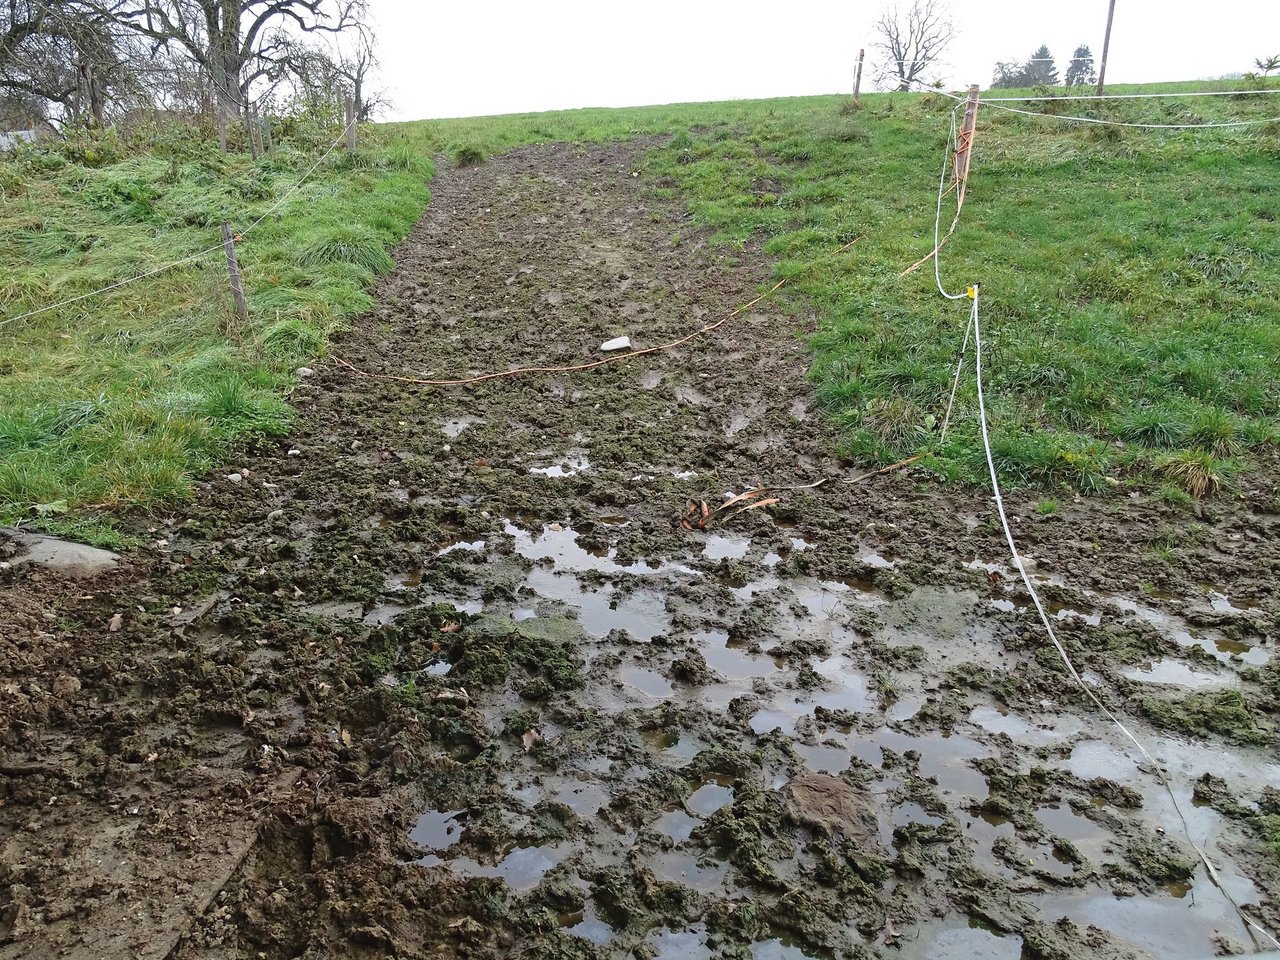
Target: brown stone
point(832, 806)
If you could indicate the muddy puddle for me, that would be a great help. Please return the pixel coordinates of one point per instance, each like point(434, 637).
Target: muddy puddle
point(729, 659)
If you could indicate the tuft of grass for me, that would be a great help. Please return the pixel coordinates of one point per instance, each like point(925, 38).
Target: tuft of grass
point(1158, 426)
point(354, 245)
point(1195, 472)
point(1175, 496)
point(467, 155)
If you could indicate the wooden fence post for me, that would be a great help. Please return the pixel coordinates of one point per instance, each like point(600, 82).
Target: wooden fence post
point(266, 135)
point(964, 146)
point(350, 113)
point(857, 80)
point(249, 124)
point(233, 271)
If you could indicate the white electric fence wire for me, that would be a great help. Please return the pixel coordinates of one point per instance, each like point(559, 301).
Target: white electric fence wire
point(952, 145)
point(1134, 96)
point(975, 325)
point(973, 329)
point(189, 259)
point(1138, 126)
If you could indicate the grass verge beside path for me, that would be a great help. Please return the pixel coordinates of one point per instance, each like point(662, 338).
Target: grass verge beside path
point(120, 399)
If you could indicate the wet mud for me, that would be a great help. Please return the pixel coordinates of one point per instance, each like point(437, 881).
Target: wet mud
point(440, 674)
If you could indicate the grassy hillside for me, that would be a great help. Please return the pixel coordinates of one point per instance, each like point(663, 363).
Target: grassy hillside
point(1128, 276)
point(119, 399)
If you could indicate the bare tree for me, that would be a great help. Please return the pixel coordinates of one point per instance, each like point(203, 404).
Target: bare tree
point(327, 72)
point(65, 60)
point(912, 39)
point(238, 44)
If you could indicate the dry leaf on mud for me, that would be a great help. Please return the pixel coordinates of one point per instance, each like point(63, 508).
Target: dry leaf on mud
point(115, 623)
point(346, 738)
point(530, 738)
point(451, 627)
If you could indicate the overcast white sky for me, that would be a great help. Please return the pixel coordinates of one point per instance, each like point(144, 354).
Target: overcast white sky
point(469, 57)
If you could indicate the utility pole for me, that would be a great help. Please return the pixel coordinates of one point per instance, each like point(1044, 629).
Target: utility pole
point(1106, 45)
point(857, 80)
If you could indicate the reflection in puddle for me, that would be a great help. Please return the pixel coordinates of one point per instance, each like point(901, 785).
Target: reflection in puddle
point(668, 944)
point(574, 463)
point(453, 426)
point(646, 681)
point(823, 758)
point(1177, 673)
point(1221, 603)
point(961, 941)
point(642, 615)
point(1168, 926)
point(452, 545)
point(726, 548)
point(676, 824)
point(851, 693)
point(999, 720)
point(681, 866)
point(908, 813)
point(584, 799)
point(437, 830)
point(709, 798)
point(725, 659)
point(1064, 822)
point(586, 924)
point(777, 949)
point(1221, 648)
point(522, 869)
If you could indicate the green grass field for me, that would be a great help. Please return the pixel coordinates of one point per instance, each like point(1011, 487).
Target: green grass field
point(1131, 328)
point(120, 399)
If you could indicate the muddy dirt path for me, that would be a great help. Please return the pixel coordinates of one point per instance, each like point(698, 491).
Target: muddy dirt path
point(440, 676)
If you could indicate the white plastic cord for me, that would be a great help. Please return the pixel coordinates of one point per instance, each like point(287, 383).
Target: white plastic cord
point(185, 260)
point(1133, 96)
point(952, 143)
point(974, 330)
point(1138, 126)
point(976, 326)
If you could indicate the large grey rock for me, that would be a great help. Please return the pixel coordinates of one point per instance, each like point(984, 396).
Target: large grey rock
point(63, 556)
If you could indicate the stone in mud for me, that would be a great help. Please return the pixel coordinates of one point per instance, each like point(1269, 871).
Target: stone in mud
point(834, 807)
point(62, 556)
